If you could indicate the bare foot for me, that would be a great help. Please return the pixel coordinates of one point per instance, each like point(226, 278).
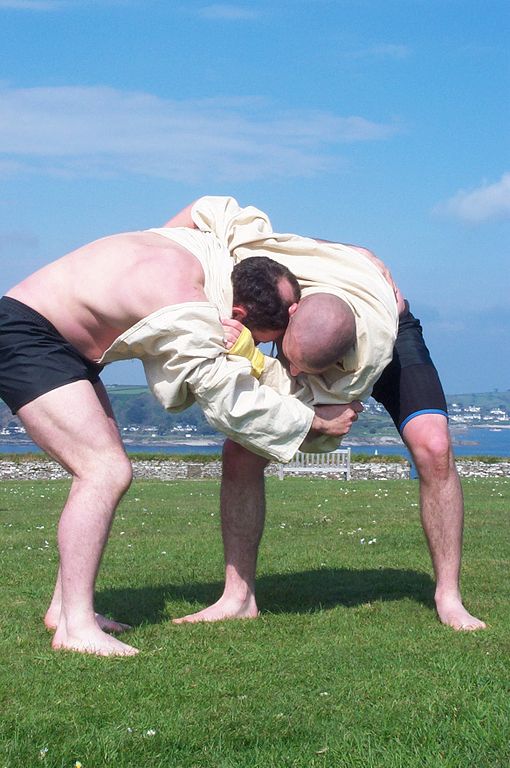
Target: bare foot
point(93, 641)
point(107, 625)
point(224, 608)
point(452, 613)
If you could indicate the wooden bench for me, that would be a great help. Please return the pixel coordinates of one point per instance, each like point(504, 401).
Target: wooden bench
point(338, 462)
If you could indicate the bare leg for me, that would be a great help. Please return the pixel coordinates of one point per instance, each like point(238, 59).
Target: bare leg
point(242, 524)
point(71, 424)
point(442, 513)
point(52, 615)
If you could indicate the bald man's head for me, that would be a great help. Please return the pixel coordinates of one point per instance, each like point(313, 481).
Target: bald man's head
point(320, 332)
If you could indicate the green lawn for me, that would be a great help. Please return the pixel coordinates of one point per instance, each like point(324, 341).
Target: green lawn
point(347, 665)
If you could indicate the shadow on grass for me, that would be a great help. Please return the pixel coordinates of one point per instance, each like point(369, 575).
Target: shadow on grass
point(301, 592)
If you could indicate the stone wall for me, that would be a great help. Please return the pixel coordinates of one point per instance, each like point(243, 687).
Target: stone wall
point(180, 470)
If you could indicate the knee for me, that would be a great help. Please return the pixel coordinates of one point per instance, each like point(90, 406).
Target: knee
point(238, 460)
point(433, 455)
point(124, 474)
point(112, 470)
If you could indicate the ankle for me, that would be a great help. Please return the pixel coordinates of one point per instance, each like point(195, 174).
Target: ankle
point(447, 594)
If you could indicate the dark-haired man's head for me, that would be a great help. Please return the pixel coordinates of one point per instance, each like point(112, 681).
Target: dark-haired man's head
point(264, 292)
point(322, 329)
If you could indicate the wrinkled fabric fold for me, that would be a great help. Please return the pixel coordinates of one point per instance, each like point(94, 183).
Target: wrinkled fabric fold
point(181, 347)
point(320, 267)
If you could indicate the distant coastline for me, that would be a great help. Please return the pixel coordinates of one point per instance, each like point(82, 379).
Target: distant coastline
point(458, 437)
point(480, 439)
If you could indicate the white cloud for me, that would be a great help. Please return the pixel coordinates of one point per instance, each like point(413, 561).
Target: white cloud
point(488, 202)
point(227, 12)
point(97, 131)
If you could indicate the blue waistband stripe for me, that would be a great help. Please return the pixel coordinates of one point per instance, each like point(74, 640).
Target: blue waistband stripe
point(421, 413)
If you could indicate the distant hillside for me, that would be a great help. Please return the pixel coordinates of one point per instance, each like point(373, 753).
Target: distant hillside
point(137, 411)
point(135, 408)
point(486, 400)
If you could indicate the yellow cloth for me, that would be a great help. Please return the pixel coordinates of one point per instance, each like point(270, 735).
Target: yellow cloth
point(245, 347)
point(320, 268)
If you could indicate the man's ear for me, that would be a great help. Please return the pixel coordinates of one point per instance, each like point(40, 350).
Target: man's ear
point(293, 308)
point(239, 313)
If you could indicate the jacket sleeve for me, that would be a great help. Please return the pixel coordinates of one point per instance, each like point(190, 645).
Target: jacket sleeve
point(277, 377)
point(185, 361)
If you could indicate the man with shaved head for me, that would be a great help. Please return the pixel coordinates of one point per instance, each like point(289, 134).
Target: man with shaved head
point(336, 347)
point(320, 334)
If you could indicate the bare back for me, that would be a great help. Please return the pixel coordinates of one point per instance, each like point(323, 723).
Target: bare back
point(95, 293)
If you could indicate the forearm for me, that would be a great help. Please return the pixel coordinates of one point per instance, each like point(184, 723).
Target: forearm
point(182, 219)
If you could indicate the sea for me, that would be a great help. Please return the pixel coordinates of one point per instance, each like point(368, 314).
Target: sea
point(469, 442)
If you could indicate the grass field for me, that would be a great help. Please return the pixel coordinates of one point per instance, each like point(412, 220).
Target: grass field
point(347, 665)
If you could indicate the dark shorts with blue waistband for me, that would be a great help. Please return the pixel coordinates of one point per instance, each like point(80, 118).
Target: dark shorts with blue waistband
point(409, 386)
point(34, 357)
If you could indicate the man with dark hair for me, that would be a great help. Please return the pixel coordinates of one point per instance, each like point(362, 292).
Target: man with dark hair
point(406, 383)
point(265, 290)
point(158, 296)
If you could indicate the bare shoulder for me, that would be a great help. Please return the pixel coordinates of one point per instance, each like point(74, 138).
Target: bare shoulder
point(159, 257)
point(161, 273)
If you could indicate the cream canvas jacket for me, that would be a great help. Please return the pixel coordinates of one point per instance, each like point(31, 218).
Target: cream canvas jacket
point(181, 347)
point(320, 267)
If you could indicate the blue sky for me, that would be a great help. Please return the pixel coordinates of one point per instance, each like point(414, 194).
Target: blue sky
point(383, 123)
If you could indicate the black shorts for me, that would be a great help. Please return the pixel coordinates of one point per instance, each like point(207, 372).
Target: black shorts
point(34, 357)
point(409, 386)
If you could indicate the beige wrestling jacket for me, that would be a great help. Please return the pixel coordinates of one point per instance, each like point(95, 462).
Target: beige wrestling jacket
point(320, 267)
point(183, 354)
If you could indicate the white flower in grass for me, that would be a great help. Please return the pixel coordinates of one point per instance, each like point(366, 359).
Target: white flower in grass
point(42, 753)
point(151, 732)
